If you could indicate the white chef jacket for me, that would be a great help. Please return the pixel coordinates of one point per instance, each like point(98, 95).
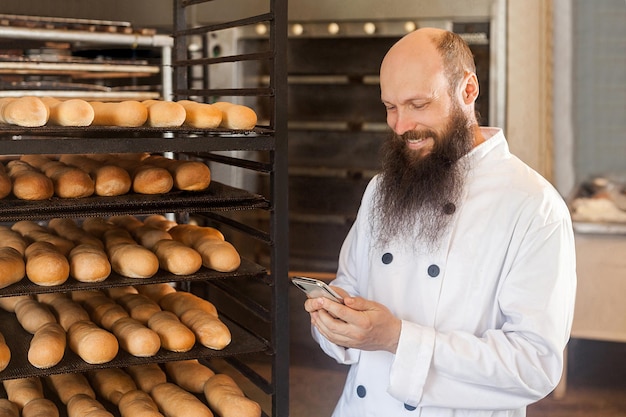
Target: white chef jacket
point(485, 316)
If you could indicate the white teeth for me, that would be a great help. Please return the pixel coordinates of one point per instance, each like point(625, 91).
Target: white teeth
point(414, 140)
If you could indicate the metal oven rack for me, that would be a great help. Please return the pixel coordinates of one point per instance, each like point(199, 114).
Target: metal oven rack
point(253, 300)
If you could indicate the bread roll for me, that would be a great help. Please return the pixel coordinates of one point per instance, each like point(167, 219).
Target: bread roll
point(139, 306)
point(164, 113)
point(66, 310)
point(189, 374)
point(188, 175)
point(12, 266)
point(32, 314)
point(138, 404)
point(40, 407)
point(97, 226)
point(89, 263)
point(45, 265)
point(70, 230)
point(13, 239)
point(190, 234)
point(180, 301)
point(68, 181)
point(155, 291)
point(111, 383)
point(236, 116)
point(174, 335)
point(21, 391)
point(24, 111)
point(128, 113)
point(216, 253)
point(71, 112)
point(210, 331)
point(5, 182)
point(227, 399)
point(93, 344)
point(81, 405)
point(135, 338)
point(9, 303)
point(5, 353)
point(109, 179)
point(8, 409)
point(37, 233)
point(159, 221)
point(117, 292)
point(177, 258)
point(47, 347)
point(127, 257)
point(174, 401)
point(29, 183)
point(146, 178)
point(108, 314)
point(201, 115)
point(147, 376)
point(68, 385)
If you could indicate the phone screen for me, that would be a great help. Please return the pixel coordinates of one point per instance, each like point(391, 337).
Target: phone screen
point(316, 288)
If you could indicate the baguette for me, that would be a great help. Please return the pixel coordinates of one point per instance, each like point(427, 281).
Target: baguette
point(159, 221)
point(8, 408)
point(217, 254)
point(32, 314)
point(40, 407)
point(21, 391)
point(180, 301)
point(127, 257)
point(5, 353)
point(68, 385)
point(106, 314)
point(66, 310)
point(174, 335)
point(46, 265)
point(177, 258)
point(47, 346)
point(12, 266)
point(5, 182)
point(111, 383)
point(93, 344)
point(109, 179)
point(89, 263)
point(29, 183)
point(227, 399)
point(139, 306)
point(187, 175)
point(147, 376)
point(68, 181)
point(155, 291)
point(189, 374)
point(82, 405)
point(210, 331)
point(135, 338)
point(137, 403)
point(24, 111)
point(128, 113)
point(164, 113)
point(236, 116)
point(174, 401)
point(72, 112)
point(201, 115)
point(70, 230)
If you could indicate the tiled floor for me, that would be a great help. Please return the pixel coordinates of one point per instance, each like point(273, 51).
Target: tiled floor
point(596, 380)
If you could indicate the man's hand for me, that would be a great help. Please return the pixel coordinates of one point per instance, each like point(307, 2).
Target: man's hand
point(358, 323)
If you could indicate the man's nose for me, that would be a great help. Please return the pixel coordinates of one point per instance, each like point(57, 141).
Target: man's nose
point(402, 123)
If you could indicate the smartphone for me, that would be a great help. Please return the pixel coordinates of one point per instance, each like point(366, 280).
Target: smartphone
point(315, 288)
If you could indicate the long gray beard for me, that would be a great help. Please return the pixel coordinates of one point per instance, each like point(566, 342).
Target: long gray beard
point(417, 196)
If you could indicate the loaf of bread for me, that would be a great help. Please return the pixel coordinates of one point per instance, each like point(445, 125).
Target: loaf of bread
point(139, 306)
point(32, 314)
point(12, 266)
point(180, 301)
point(174, 401)
point(109, 179)
point(71, 112)
point(82, 405)
point(174, 335)
point(29, 183)
point(135, 338)
point(163, 113)
point(111, 383)
point(68, 181)
point(236, 116)
point(146, 178)
point(92, 343)
point(159, 221)
point(40, 407)
point(188, 175)
point(128, 113)
point(21, 391)
point(155, 291)
point(5, 353)
point(217, 254)
point(117, 292)
point(138, 404)
point(127, 257)
point(70, 230)
point(177, 258)
point(201, 115)
point(210, 331)
point(37, 233)
point(9, 303)
point(47, 347)
point(67, 385)
point(24, 111)
point(97, 226)
point(189, 374)
point(89, 263)
point(147, 376)
point(5, 182)
point(227, 399)
point(8, 409)
point(46, 265)
point(66, 310)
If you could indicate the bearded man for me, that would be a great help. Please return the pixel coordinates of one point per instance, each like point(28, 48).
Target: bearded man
point(458, 275)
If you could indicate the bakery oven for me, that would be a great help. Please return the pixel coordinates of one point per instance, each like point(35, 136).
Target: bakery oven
point(336, 121)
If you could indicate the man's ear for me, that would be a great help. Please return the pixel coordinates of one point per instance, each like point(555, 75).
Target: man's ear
point(469, 88)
